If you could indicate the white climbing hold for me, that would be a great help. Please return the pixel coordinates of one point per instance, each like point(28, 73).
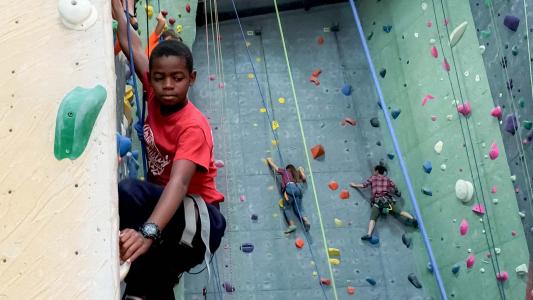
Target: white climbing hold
point(443, 167)
point(416, 34)
point(432, 41)
point(497, 251)
point(449, 117)
point(467, 73)
point(469, 250)
point(457, 34)
point(513, 178)
point(438, 147)
point(495, 201)
point(521, 214)
point(123, 270)
point(477, 77)
point(521, 269)
point(483, 145)
point(482, 270)
point(338, 222)
point(424, 6)
point(77, 14)
point(464, 190)
point(482, 49)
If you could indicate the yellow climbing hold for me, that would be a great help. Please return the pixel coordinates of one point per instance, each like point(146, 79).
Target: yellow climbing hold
point(315, 273)
point(334, 252)
point(281, 100)
point(258, 59)
point(275, 125)
point(251, 76)
point(263, 110)
point(274, 142)
point(128, 94)
point(248, 44)
point(179, 28)
point(149, 10)
point(280, 203)
point(334, 261)
point(338, 222)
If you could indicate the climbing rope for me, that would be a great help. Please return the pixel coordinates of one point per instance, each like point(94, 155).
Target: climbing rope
point(528, 52)
point(493, 257)
point(403, 167)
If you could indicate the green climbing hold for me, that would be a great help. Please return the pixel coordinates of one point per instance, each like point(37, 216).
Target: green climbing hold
point(521, 102)
point(370, 36)
point(488, 3)
point(527, 124)
point(485, 34)
point(75, 120)
point(115, 26)
point(514, 50)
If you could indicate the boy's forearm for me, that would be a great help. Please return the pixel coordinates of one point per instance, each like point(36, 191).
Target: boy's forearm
point(160, 26)
point(169, 202)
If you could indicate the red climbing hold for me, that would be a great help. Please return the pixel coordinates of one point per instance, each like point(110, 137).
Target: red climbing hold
point(502, 276)
point(493, 190)
point(513, 233)
point(320, 40)
point(344, 195)
point(325, 281)
point(350, 290)
point(164, 12)
point(314, 77)
point(317, 151)
point(429, 24)
point(188, 8)
point(434, 52)
point(479, 209)
point(446, 65)
point(348, 121)
point(463, 228)
point(464, 109)
point(496, 112)
point(333, 185)
point(428, 97)
point(299, 243)
point(171, 21)
point(494, 151)
point(470, 261)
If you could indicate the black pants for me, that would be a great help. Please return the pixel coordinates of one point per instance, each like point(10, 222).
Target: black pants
point(154, 274)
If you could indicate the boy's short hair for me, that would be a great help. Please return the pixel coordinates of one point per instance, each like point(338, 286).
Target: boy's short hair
point(172, 48)
point(381, 169)
point(171, 34)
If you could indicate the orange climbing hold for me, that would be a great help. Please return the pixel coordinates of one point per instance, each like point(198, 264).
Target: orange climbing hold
point(317, 151)
point(325, 281)
point(320, 40)
point(333, 185)
point(344, 194)
point(314, 77)
point(299, 243)
point(348, 121)
point(350, 290)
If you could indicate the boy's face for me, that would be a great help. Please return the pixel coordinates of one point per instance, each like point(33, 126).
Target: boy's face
point(171, 79)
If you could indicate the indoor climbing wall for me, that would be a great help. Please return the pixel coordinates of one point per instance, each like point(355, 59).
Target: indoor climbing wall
point(257, 260)
point(434, 81)
point(503, 38)
point(58, 202)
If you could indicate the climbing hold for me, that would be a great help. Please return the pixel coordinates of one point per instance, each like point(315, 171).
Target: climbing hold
point(334, 252)
point(390, 156)
point(281, 100)
point(511, 22)
point(228, 287)
point(510, 124)
point(522, 214)
point(219, 163)
point(514, 50)
point(383, 72)
point(434, 52)
point(348, 121)
point(438, 147)
point(333, 185)
point(445, 65)
point(485, 34)
point(482, 270)
point(427, 191)
point(75, 120)
point(374, 122)
point(513, 233)
point(179, 28)
point(171, 21)
point(334, 261)
point(493, 189)
point(479, 209)
point(482, 49)
point(497, 251)
point(374, 240)
point(430, 267)
point(123, 145)
point(346, 90)
point(164, 12)
point(521, 270)
point(251, 76)
point(470, 261)
point(443, 167)
point(338, 222)
point(395, 113)
point(325, 281)
point(464, 109)
point(212, 77)
point(527, 125)
point(464, 190)
point(263, 110)
point(371, 280)
point(429, 24)
point(275, 125)
point(463, 227)
point(149, 10)
point(426, 98)
point(427, 166)
point(317, 151)
point(414, 281)
point(387, 28)
point(344, 194)
point(350, 290)
point(299, 243)
point(494, 151)
point(188, 8)
point(77, 15)
point(456, 268)
point(320, 40)
point(314, 77)
point(457, 34)
point(496, 112)
point(406, 240)
point(247, 247)
point(502, 276)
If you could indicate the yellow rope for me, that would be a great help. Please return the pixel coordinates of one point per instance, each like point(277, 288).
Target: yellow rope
point(305, 150)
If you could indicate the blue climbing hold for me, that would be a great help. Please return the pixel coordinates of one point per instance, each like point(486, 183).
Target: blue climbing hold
point(383, 72)
point(247, 247)
point(455, 268)
point(371, 280)
point(346, 90)
point(374, 239)
point(510, 124)
point(511, 22)
point(395, 113)
point(387, 28)
point(427, 166)
point(123, 145)
point(390, 156)
point(427, 191)
point(254, 217)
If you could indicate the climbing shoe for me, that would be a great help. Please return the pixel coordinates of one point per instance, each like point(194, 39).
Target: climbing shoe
point(307, 225)
point(290, 229)
point(366, 237)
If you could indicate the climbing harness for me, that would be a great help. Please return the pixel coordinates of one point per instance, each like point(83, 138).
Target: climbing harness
point(403, 167)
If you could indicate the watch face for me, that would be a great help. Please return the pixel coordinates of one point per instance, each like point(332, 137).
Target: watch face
point(150, 229)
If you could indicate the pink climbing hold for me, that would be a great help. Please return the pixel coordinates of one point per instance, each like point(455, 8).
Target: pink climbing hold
point(434, 52)
point(470, 261)
point(219, 163)
point(221, 85)
point(479, 209)
point(493, 190)
point(502, 276)
point(446, 22)
point(496, 112)
point(242, 198)
point(429, 24)
point(463, 228)
point(513, 233)
point(494, 151)
point(446, 65)
point(212, 77)
point(464, 109)
point(428, 97)
point(433, 118)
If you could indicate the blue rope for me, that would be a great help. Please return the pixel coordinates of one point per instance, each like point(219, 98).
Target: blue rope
point(418, 214)
point(140, 123)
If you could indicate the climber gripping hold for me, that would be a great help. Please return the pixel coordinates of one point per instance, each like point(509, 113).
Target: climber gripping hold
point(382, 201)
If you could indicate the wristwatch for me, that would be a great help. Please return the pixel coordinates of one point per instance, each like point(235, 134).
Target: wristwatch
point(150, 231)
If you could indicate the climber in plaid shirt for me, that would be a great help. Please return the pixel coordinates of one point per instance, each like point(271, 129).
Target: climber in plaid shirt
point(382, 201)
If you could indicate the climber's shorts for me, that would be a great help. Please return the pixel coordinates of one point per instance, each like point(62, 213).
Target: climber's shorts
point(375, 210)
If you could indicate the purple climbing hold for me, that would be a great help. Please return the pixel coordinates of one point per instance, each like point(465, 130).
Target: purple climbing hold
point(395, 113)
point(510, 124)
point(390, 156)
point(383, 72)
point(254, 217)
point(387, 28)
point(414, 281)
point(247, 247)
point(511, 22)
point(346, 90)
point(228, 287)
point(406, 240)
point(374, 122)
point(456, 268)
point(371, 280)
point(427, 166)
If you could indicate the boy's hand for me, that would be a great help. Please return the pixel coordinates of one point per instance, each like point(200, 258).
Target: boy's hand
point(160, 17)
point(355, 185)
point(133, 244)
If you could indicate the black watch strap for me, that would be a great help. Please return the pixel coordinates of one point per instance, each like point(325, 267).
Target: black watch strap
point(150, 231)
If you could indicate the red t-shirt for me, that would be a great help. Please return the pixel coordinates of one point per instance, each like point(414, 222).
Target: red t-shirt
point(185, 134)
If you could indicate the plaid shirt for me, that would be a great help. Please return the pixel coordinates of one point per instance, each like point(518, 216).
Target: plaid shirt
point(381, 186)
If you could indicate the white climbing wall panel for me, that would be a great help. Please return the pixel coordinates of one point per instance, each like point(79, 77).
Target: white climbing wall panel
point(58, 219)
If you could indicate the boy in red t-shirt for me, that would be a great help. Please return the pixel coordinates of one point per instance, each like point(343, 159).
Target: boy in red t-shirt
point(180, 199)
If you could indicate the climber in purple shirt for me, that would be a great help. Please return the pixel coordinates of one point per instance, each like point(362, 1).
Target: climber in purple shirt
point(292, 184)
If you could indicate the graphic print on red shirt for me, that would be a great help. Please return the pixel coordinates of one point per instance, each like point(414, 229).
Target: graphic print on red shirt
point(183, 135)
